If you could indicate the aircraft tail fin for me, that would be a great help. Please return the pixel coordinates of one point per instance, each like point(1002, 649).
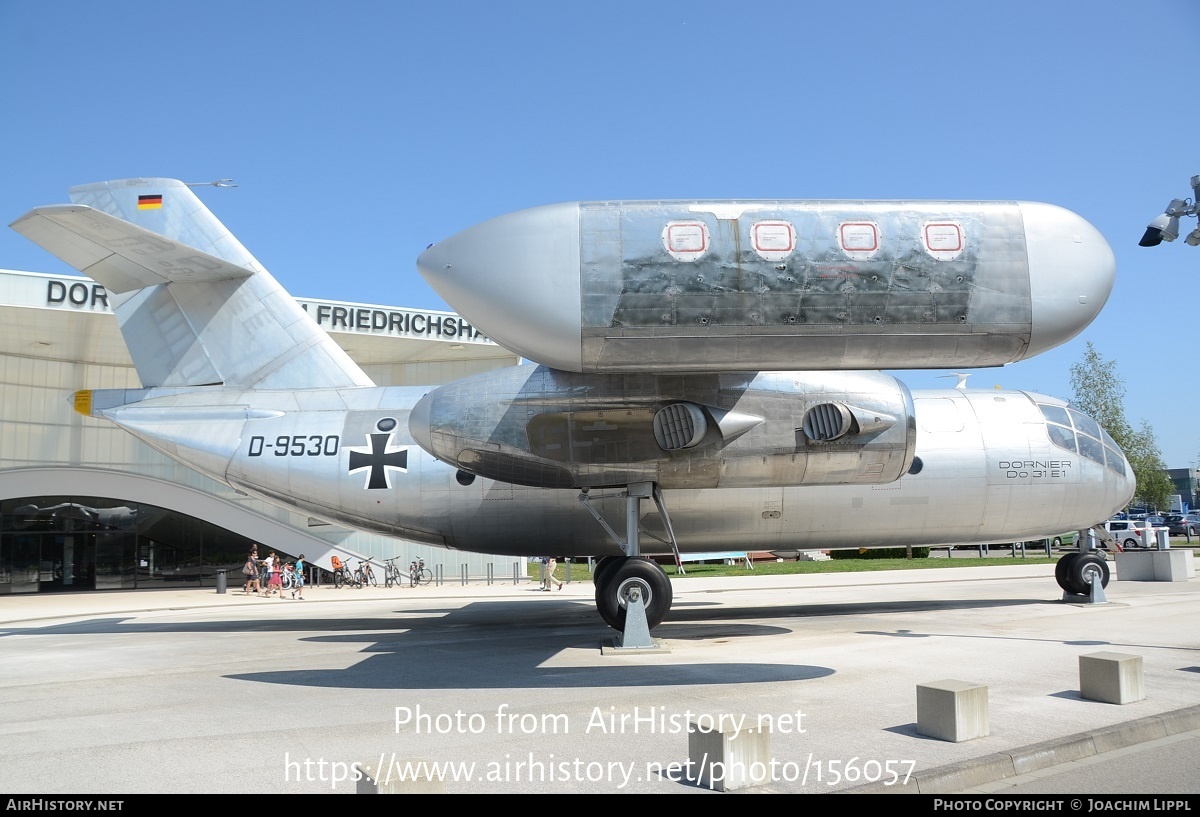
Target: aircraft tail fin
point(195, 308)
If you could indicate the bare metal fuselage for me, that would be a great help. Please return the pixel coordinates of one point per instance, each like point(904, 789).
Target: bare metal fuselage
point(985, 470)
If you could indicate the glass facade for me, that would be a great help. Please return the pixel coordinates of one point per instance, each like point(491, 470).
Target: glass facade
point(63, 543)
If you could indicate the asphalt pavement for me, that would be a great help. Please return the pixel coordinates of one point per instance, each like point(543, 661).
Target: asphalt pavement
point(503, 688)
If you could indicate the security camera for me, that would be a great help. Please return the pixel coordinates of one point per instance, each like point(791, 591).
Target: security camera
point(1163, 228)
point(1166, 226)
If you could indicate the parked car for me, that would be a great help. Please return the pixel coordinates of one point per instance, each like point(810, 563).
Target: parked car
point(1127, 532)
point(1156, 520)
point(1180, 525)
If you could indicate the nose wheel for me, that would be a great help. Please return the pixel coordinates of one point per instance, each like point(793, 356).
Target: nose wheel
point(629, 580)
point(1075, 573)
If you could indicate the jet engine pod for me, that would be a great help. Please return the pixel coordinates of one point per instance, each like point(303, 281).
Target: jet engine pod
point(552, 429)
point(682, 286)
point(679, 425)
point(826, 422)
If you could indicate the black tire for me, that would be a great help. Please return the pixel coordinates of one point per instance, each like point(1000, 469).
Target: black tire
point(1085, 570)
point(426, 576)
point(1062, 571)
point(619, 580)
point(339, 578)
point(1131, 543)
point(1057, 542)
point(602, 565)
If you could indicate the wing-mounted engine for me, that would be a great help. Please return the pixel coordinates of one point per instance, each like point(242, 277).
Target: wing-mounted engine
point(553, 429)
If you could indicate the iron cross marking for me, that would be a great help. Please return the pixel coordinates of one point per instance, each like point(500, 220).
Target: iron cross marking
point(378, 460)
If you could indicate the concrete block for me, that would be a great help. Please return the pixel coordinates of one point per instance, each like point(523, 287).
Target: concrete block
point(953, 710)
point(1156, 566)
point(1111, 677)
point(725, 762)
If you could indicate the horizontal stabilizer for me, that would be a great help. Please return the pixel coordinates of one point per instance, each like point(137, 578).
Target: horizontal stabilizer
point(194, 306)
point(120, 255)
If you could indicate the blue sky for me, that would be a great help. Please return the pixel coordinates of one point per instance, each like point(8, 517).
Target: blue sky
point(360, 132)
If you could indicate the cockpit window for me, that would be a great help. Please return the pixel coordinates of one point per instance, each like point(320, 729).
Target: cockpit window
point(1085, 424)
point(1075, 431)
point(1062, 437)
point(1056, 414)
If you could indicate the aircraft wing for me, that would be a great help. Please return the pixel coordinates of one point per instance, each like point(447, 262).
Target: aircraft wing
point(121, 256)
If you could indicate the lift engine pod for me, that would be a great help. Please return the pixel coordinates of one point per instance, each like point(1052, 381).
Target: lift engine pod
point(552, 429)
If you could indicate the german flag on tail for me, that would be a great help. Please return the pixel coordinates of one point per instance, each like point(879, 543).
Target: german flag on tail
point(150, 202)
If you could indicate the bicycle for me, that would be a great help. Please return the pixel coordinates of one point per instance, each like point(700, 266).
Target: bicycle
point(391, 573)
point(418, 573)
point(368, 575)
point(343, 577)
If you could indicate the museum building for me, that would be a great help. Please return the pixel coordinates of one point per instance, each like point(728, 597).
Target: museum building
point(87, 506)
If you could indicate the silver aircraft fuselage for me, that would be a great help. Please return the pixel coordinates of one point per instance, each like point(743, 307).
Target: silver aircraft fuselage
point(988, 466)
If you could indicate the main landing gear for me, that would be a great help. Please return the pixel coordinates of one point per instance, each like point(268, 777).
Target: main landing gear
point(626, 580)
point(632, 579)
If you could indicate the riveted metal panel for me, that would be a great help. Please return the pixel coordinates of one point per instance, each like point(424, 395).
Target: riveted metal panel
point(821, 306)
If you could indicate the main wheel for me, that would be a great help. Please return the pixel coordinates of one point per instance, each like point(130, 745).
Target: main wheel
point(1085, 570)
point(629, 577)
point(1131, 543)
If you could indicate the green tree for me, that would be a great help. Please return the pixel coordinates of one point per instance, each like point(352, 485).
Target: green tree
point(1100, 392)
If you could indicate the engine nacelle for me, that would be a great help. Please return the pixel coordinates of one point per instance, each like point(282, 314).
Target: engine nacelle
point(552, 429)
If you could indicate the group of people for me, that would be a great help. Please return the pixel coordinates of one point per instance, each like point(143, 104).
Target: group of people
point(265, 577)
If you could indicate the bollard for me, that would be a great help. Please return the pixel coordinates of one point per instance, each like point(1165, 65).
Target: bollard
point(462, 575)
point(221, 580)
point(516, 572)
point(491, 573)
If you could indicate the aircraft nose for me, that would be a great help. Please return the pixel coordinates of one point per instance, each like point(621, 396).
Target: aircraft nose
point(1071, 269)
point(517, 278)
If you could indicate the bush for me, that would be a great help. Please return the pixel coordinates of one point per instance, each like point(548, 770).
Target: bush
point(880, 553)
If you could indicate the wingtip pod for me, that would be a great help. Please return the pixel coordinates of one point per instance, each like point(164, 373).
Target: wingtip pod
point(776, 285)
point(1072, 271)
point(521, 271)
